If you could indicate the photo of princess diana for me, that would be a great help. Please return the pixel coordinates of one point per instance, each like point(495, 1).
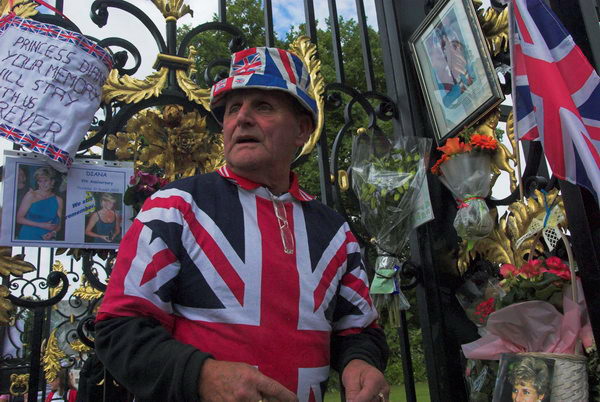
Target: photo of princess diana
point(40, 203)
point(104, 223)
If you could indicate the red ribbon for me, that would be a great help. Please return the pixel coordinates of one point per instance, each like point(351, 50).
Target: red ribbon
point(465, 203)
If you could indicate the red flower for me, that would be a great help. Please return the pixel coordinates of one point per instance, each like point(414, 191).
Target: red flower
point(508, 270)
point(454, 146)
point(436, 168)
point(531, 268)
point(483, 141)
point(485, 308)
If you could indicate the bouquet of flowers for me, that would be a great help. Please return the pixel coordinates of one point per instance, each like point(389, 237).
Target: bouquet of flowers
point(142, 186)
point(464, 168)
point(386, 179)
point(541, 313)
point(387, 184)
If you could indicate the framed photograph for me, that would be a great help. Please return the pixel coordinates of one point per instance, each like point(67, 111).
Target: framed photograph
point(45, 208)
point(454, 66)
point(524, 378)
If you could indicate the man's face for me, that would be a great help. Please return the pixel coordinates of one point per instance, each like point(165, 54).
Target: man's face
point(261, 131)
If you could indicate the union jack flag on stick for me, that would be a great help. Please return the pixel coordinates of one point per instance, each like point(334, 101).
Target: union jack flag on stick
point(556, 94)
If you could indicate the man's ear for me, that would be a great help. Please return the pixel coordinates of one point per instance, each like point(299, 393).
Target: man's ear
point(306, 129)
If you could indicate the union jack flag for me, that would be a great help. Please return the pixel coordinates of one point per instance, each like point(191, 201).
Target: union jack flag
point(210, 266)
point(246, 63)
point(556, 94)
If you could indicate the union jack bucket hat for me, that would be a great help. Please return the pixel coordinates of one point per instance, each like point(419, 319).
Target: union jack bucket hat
point(264, 68)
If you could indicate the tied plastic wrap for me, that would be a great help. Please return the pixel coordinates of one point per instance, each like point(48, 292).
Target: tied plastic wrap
point(468, 177)
point(386, 179)
point(385, 288)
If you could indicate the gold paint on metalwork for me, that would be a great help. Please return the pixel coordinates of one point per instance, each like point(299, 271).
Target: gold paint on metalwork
point(307, 52)
point(500, 246)
point(182, 61)
point(361, 131)
point(22, 8)
point(343, 180)
point(13, 265)
point(6, 307)
point(52, 357)
point(56, 267)
point(132, 90)
point(502, 158)
point(176, 142)
point(193, 92)
point(79, 346)
point(87, 291)
point(494, 25)
point(172, 10)
point(19, 384)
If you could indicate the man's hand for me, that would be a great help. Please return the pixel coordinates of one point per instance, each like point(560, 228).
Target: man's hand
point(229, 381)
point(364, 383)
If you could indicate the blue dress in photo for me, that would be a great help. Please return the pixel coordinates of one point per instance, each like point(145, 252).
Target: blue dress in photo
point(104, 229)
point(43, 211)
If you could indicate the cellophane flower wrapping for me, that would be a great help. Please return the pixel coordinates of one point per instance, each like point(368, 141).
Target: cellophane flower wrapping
point(478, 296)
point(387, 185)
point(468, 177)
point(385, 288)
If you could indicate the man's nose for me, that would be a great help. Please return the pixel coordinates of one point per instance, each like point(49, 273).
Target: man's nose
point(244, 115)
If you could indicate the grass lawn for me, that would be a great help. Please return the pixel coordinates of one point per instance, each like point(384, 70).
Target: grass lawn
point(397, 394)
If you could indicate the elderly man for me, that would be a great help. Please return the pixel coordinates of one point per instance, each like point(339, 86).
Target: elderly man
point(237, 285)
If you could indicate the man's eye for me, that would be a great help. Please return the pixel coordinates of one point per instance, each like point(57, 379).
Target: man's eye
point(264, 106)
point(233, 109)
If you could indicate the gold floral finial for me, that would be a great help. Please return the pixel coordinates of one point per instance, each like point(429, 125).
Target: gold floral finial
point(173, 9)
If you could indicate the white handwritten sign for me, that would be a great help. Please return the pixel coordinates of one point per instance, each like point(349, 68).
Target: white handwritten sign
point(50, 87)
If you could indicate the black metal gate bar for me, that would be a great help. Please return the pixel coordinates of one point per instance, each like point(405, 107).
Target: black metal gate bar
point(36, 350)
point(336, 42)
point(322, 148)
point(222, 11)
point(269, 34)
point(407, 366)
point(365, 45)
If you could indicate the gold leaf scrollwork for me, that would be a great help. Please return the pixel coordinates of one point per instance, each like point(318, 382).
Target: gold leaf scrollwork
point(6, 307)
point(177, 142)
point(19, 384)
point(131, 90)
point(52, 357)
point(508, 243)
point(22, 8)
point(307, 52)
point(173, 9)
point(79, 346)
point(87, 291)
point(494, 25)
point(56, 267)
point(13, 265)
point(194, 93)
